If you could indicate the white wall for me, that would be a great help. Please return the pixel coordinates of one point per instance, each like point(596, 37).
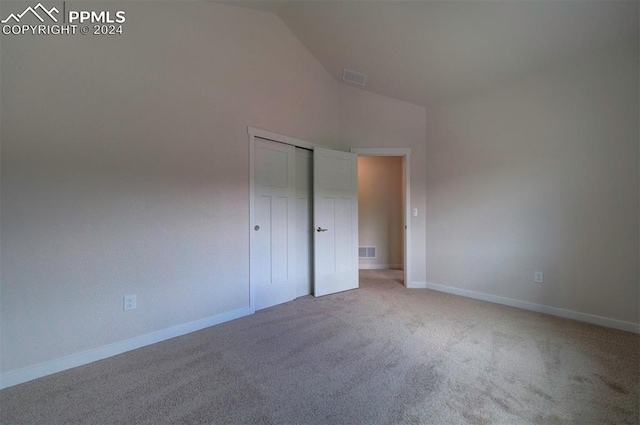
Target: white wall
point(541, 174)
point(368, 120)
point(125, 170)
point(381, 210)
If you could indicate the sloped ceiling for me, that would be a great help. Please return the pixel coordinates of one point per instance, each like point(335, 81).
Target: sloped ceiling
point(425, 52)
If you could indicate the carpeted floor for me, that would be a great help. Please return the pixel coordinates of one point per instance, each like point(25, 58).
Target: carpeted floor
point(382, 354)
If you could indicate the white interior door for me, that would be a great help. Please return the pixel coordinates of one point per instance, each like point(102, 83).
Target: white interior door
point(335, 215)
point(272, 260)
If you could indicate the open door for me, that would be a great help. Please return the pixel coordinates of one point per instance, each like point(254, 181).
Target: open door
point(335, 216)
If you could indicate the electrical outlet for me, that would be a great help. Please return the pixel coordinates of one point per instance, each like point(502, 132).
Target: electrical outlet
point(130, 302)
point(538, 277)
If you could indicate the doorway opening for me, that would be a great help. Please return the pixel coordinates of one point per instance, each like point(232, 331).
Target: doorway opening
point(380, 218)
point(384, 210)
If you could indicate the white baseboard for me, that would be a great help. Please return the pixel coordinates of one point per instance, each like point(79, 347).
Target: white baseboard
point(380, 266)
point(19, 376)
point(539, 308)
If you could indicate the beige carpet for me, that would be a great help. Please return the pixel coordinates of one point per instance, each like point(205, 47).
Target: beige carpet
point(382, 354)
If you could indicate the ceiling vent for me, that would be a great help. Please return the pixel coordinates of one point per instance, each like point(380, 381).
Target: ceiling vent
point(354, 77)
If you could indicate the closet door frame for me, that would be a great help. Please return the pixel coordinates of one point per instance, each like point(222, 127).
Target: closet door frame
point(275, 137)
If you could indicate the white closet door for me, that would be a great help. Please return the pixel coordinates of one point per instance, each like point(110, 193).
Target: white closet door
point(272, 259)
point(335, 214)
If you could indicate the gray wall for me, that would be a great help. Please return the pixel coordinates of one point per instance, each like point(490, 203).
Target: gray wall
point(125, 170)
point(541, 173)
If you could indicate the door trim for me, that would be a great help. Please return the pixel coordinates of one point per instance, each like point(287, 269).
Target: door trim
point(275, 137)
point(405, 153)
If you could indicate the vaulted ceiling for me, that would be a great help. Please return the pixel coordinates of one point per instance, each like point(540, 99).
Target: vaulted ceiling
point(427, 51)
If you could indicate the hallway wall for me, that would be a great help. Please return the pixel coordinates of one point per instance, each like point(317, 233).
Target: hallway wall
point(380, 211)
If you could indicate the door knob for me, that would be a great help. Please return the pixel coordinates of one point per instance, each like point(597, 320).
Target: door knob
point(256, 228)
point(320, 229)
